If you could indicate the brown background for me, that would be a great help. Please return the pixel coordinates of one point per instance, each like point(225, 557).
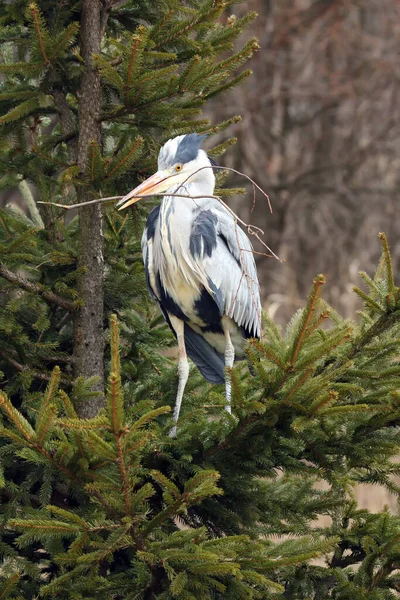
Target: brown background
point(320, 134)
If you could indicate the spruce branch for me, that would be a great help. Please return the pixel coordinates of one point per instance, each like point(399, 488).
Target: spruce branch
point(49, 158)
point(71, 413)
point(95, 424)
point(124, 475)
point(149, 416)
point(9, 585)
point(298, 384)
point(268, 353)
point(19, 421)
point(35, 12)
point(115, 397)
point(138, 39)
point(36, 288)
point(384, 323)
point(126, 159)
point(17, 113)
point(388, 262)
point(368, 301)
point(24, 368)
point(323, 316)
point(116, 409)
point(68, 35)
point(322, 401)
point(59, 465)
point(43, 426)
point(307, 315)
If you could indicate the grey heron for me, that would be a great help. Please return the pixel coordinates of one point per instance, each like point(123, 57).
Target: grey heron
point(199, 265)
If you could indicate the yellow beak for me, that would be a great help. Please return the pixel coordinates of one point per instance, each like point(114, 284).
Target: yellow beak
point(156, 184)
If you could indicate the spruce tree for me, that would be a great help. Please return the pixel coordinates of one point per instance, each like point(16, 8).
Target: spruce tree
point(89, 92)
point(96, 499)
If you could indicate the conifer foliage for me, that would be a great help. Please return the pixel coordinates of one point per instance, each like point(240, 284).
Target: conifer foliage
point(110, 506)
point(113, 506)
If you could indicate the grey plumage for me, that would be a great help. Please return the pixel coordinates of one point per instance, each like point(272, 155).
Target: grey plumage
point(209, 361)
point(214, 257)
point(186, 151)
point(199, 264)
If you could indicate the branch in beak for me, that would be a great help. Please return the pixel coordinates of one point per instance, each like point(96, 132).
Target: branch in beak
point(156, 184)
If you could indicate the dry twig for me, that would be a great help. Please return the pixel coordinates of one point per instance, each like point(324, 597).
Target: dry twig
point(251, 229)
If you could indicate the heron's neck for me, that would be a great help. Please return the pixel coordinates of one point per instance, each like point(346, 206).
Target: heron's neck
point(203, 187)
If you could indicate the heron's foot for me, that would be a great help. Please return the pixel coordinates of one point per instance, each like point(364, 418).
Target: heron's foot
point(228, 394)
point(172, 432)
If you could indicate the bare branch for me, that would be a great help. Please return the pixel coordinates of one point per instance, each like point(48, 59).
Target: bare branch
point(83, 204)
point(251, 229)
point(254, 184)
point(35, 374)
point(36, 288)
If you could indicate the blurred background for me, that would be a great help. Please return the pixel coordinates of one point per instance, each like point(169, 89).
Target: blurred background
point(320, 134)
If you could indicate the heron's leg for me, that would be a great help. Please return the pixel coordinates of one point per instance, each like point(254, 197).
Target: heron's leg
point(229, 360)
point(183, 368)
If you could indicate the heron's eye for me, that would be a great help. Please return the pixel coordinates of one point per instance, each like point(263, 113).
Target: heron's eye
point(178, 167)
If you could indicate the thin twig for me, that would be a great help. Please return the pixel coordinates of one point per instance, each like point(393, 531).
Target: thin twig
point(249, 179)
point(81, 204)
point(217, 167)
point(251, 229)
point(261, 254)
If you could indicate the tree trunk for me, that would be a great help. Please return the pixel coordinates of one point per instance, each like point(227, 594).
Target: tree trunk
point(88, 324)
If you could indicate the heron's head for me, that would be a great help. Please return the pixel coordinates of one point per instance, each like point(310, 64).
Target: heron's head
point(179, 162)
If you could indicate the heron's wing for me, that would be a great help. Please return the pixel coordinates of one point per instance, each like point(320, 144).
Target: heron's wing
point(147, 250)
point(231, 269)
point(209, 361)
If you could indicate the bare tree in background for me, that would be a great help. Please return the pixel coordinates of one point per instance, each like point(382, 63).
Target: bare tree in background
point(320, 133)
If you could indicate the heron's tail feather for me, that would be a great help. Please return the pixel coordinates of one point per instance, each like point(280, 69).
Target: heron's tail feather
point(211, 363)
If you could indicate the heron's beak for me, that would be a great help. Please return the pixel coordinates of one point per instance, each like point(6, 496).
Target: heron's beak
point(156, 184)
